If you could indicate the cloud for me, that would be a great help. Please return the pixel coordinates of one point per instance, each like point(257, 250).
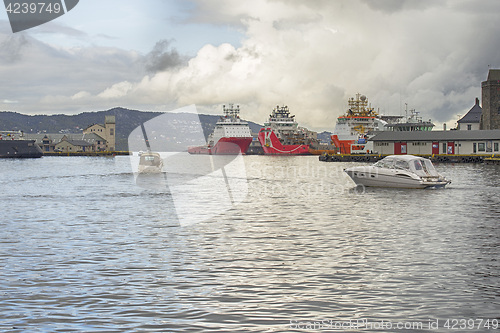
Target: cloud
point(314, 56)
point(118, 90)
point(60, 29)
point(11, 48)
point(311, 56)
point(45, 78)
point(392, 6)
point(161, 58)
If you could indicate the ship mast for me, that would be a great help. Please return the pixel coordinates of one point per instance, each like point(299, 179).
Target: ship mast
point(359, 107)
point(231, 111)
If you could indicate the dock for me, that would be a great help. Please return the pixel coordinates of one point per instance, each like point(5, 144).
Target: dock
point(441, 158)
point(350, 157)
point(87, 153)
point(492, 160)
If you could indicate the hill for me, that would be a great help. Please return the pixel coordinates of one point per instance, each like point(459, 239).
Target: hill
point(126, 121)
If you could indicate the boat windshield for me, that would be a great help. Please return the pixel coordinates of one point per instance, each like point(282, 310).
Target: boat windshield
point(403, 165)
point(419, 168)
point(424, 168)
point(385, 163)
point(430, 168)
point(150, 160)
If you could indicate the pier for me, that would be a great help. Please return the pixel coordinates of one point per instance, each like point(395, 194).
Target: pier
point(86, 153)
point(438, 158)
point(492, 160)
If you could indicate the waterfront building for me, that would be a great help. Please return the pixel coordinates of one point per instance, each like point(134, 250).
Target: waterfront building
point(66, 145)
point(106, 131)
point(472, 119)
point(48, 141)
point(491, 101)
point(471, 142)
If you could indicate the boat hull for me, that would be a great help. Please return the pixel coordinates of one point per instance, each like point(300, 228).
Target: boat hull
point(376, 177)
point(273, 146)
point(225, 146)
point(19, 149)
point(320, 149)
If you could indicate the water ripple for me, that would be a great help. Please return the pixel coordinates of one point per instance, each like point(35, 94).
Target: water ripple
point(93, 252)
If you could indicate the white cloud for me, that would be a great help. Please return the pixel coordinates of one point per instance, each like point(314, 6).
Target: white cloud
point(394, 53)
point(311, 56)
point(81, 95)
point(116, 91)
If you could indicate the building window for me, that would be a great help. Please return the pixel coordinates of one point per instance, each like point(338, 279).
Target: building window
point(111, 131)
point(469, 127)
point(481, 146)
point(495, 146)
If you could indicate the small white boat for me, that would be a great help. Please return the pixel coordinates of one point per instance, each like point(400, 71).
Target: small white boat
point(150, 162)
point(402, 171)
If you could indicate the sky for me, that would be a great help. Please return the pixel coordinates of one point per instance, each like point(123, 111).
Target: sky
point(157, 55)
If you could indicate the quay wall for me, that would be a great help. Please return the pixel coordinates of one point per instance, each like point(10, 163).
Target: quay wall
point(438, 158)
point(89, 153)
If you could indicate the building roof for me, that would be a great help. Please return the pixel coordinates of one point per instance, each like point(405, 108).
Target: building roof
point(57, 137)
point(494, 75)
point(80, 143)
point(437, 135)
point(86, 128)
point(474, 114)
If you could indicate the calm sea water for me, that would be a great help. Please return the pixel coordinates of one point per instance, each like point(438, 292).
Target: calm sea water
point(83, 248)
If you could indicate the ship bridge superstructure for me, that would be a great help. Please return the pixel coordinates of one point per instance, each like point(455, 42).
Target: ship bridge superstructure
point(413, 123)
point(281, 134)
point(229, 125)
point(359, 120)
point(281, 119)
point(287, 130)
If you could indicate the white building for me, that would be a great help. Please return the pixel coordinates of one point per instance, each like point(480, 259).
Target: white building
point(471, 142)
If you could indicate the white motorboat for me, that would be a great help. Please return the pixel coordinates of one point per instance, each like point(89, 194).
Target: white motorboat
point(402, 171)
point(150, 162)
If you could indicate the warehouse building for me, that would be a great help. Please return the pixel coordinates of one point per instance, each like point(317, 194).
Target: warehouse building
point(471, 142)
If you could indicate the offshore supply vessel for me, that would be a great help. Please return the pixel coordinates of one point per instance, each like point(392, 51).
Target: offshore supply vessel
point(281, 134)
point(361, 121)
point(352, 129)
point(231, 135)
point(13, 145)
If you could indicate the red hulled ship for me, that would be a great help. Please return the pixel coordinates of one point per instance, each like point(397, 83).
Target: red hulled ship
point(231, 135)
point(281, 135)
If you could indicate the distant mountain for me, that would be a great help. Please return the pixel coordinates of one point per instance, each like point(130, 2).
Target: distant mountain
point(126, 121)
point(325, 136)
